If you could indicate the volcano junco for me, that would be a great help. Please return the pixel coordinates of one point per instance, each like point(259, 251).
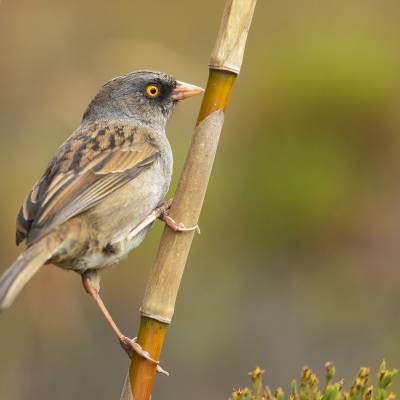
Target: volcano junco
point(105, 180)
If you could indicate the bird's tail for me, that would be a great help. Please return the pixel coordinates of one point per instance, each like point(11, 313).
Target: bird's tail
point(25, 266)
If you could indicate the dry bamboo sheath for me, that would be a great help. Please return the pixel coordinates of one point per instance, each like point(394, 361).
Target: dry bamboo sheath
point(159, 300)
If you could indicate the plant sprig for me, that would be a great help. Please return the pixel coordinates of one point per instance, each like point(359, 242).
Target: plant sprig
point(309, 387)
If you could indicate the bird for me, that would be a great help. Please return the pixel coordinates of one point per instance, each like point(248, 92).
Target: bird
point(103, 188)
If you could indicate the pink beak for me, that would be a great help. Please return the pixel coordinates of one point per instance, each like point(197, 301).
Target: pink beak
point(185, 90)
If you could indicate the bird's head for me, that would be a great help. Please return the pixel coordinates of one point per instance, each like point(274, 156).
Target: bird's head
point(145, 97)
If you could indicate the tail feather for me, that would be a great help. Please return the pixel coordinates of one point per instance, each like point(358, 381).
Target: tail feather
point(21, 271)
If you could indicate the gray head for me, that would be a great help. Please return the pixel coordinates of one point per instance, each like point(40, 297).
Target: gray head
point(144, 97)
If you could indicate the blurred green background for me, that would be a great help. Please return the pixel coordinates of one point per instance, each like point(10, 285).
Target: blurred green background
point(297, 262)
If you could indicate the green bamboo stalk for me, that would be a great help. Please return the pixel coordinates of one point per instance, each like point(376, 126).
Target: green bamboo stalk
point(159, 300)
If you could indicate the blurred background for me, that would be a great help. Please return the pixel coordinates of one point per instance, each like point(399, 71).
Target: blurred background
point(297, 262)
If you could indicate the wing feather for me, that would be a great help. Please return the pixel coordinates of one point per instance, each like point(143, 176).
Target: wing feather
point(94, 162)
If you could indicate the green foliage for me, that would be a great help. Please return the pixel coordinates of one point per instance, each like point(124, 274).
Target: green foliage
point(310, 389)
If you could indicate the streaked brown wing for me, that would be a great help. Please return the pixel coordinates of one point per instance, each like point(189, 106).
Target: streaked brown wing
point(91, 165)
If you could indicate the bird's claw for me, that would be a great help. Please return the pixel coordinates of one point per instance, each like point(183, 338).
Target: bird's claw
point(162, 370)
point(178, 227)
point(131, 346)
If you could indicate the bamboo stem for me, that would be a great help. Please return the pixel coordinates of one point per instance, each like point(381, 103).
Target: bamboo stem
point(159, 300)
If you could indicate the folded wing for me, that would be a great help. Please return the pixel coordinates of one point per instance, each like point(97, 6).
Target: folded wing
point(94, 162)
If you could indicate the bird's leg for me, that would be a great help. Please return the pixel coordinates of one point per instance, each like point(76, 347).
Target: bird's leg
point(91, 284)
point(156, 213)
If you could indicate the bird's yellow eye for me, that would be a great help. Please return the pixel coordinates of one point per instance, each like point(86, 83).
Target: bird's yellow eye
point(152, 90)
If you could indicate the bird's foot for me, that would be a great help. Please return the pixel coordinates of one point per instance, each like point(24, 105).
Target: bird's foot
point(177, 227)
point(131, 346)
